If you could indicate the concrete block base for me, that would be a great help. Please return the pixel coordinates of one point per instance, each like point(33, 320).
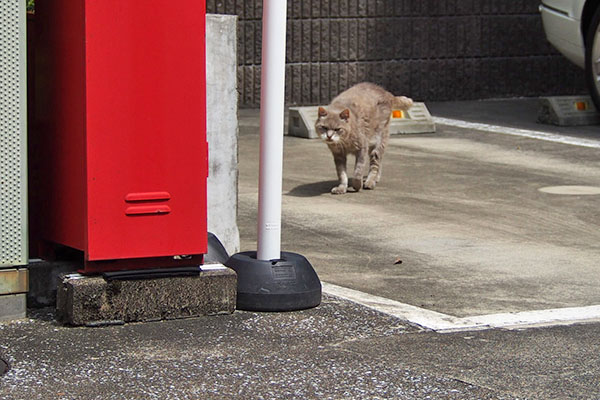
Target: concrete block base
point(91, 300)
point(14, 283)
point(13, 306)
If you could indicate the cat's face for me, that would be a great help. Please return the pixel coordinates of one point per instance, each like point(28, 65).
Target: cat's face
point(332, 127)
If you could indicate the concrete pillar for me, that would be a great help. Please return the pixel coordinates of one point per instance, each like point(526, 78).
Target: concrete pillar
point(222, 128)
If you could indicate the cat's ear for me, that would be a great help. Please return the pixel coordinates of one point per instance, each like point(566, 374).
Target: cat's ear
point(345, 114)
point(322, 112)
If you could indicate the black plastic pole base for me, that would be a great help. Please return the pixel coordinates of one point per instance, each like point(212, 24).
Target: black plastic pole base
point(287, 284)
point(216, 252)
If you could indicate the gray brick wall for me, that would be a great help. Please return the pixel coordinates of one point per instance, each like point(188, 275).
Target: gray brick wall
point(427, 49)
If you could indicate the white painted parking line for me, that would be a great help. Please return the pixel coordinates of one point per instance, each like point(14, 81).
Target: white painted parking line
point(445, 323)
point(557, 316)
point(550, 137)
point(405, 312)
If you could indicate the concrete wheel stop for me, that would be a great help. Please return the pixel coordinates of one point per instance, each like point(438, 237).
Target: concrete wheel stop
point(148, 295)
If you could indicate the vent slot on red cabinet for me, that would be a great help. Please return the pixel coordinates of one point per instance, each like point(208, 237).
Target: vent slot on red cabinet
point(147, 203)
point(147, 196)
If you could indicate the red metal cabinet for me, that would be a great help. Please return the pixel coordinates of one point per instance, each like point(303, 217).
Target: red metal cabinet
point(121, 108)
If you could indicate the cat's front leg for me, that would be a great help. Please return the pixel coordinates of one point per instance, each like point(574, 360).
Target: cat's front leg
point(340, 167)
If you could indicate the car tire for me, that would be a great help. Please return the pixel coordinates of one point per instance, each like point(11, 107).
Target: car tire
point(592, 58)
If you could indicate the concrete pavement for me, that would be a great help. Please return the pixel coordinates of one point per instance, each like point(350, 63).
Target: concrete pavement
point(337, 351)
point(462, 210)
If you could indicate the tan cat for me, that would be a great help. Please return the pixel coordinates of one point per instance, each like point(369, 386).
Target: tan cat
point(357, 122)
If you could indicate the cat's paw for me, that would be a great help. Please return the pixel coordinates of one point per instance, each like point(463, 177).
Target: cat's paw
point(370, 183)
point(341, 189)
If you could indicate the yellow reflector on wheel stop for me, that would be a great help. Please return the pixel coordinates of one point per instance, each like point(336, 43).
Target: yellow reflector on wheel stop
point(397, 114)
point(581, 105)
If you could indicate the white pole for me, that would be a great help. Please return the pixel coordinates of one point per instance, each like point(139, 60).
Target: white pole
point(271, 129)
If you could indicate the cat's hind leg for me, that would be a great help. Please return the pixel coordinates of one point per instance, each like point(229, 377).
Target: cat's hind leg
point(378, 174)
point(375, 158)
point(376, 155)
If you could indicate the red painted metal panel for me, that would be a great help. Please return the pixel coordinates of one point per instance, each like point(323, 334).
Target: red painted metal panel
point(145, 127)
point(128, 135)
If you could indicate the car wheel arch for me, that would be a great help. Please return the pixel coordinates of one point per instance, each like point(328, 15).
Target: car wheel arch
point(592, 58)
point(586, 16)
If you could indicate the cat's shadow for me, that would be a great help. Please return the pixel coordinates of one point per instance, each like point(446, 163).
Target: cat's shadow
point(313, 189)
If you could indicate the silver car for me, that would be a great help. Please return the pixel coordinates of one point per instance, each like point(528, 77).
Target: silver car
point(573, 27)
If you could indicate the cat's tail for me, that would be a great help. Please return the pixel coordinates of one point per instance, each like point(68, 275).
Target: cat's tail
point(402, 103)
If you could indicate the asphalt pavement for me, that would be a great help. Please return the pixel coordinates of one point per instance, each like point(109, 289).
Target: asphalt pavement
point(464, 226)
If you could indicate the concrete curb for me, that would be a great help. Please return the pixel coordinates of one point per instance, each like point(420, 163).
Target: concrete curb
point(94, 301)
